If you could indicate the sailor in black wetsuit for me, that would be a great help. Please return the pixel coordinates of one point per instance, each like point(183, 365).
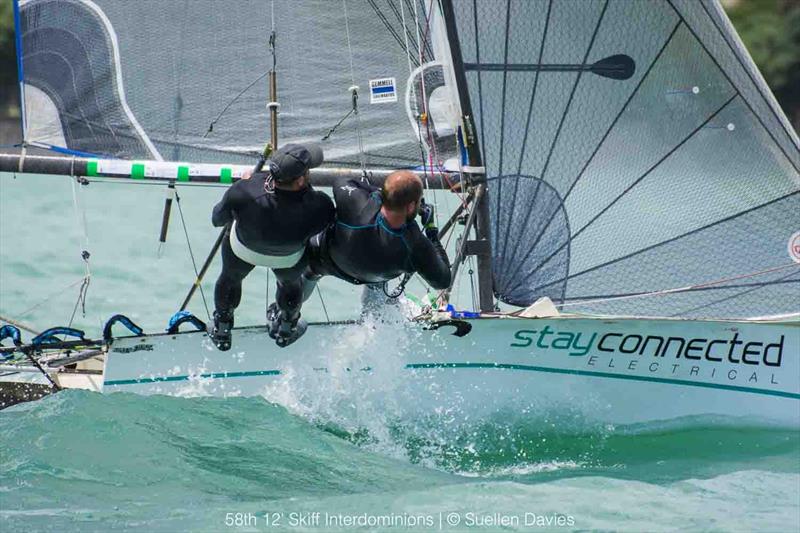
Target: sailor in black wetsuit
point(375, 237)
point(272, 216)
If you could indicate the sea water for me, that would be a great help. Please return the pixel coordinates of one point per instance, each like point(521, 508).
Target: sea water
point(80, 461)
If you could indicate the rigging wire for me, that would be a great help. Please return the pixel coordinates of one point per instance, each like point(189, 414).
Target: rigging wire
point(322, 300)
point(191, 253)
point(688, 288)
point(80, 216)
point(354, 91)
point(472, 291)
point(385, 21)
point(50, 297)
point(229, 104)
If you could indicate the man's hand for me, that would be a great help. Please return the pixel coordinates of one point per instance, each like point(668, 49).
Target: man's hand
point(426, 215)
point(247, 174)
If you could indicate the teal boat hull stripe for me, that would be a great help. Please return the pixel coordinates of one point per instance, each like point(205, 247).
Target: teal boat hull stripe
point(667, 381)
point(501, 366)
point(213, 375)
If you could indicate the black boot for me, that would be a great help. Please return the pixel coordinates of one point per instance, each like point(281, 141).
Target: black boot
point(283, 329)
point(221, 331)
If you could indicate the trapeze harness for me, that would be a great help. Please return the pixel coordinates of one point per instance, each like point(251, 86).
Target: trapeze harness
point(254, 258)
point(362, 248)
point(274, 225)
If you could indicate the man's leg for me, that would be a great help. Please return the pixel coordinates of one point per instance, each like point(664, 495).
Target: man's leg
point(227, 294)
point(283, 317)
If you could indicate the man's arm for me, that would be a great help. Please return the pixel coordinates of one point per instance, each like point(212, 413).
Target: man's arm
point(349, 190)
point(430, 260)
point(223, 211)
point(325, 213)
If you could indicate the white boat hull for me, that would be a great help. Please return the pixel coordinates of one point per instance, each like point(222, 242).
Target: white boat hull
point(618, 371)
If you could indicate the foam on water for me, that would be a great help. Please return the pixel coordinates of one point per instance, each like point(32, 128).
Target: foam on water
point(85, 461)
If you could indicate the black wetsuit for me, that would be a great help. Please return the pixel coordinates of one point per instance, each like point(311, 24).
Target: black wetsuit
point(361, 247)
point(279, 223)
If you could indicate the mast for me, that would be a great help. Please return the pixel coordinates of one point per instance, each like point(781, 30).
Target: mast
point(273, 96)
point(481, 246)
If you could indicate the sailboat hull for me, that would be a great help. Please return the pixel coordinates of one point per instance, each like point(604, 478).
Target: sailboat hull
point(618, 371)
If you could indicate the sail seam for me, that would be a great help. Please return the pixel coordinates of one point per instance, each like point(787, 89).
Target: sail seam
point(688, 288)
point(480, 83)
point(605, 136)
point(20, 69)
point(688, 233)
point(622, 111)
point(527, 128)
point(631, 186)
point(728, 78)
point(751, 287)
point(572, 93)
point(584, 299)
point(737, 54)
point(503, 110)
point(112, 35)
point(388, 25)
point(516, 249)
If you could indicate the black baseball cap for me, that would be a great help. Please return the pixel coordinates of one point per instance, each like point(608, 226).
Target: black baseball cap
point(291, 161)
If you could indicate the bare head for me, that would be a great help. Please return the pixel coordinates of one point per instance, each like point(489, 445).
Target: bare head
point(401, 193)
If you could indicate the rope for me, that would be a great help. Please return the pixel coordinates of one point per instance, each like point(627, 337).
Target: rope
point(50, 297)
point(80, 217)
point(687, 288)
point(414, 93)
point(322, 300)
point(472, 291)
point(354, 89)
point(191, 253)
point(229, 104)
point(267, 289)
point(81, 301)
point(20, 325)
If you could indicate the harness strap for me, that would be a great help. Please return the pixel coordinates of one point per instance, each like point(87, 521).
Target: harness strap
point(125, 321)
point(182, 317)
point(49, 336)
point(11, 332)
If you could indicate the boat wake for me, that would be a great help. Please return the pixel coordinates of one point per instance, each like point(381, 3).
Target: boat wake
point(79, 459)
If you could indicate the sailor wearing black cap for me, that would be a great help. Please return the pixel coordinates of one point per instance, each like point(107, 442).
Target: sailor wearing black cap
point(272, 216)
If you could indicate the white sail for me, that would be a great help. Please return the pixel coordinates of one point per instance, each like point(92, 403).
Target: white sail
point(683, 175)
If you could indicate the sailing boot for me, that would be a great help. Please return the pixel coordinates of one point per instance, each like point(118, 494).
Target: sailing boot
point(221, 330)
point(283, 329)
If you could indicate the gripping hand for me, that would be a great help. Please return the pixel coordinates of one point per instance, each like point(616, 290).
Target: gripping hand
point(426, 215)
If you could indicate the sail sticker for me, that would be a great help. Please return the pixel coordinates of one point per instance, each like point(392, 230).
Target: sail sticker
point(382, 90)
point(794, 247)
point(114, 167)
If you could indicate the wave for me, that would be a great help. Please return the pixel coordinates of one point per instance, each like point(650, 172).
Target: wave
point(84, 461)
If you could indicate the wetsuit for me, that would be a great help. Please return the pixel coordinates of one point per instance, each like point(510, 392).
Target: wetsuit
point(361, 247)
point(277, 225)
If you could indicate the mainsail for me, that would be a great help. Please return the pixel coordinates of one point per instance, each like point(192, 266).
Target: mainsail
point(145, 80)
point(610, 192)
